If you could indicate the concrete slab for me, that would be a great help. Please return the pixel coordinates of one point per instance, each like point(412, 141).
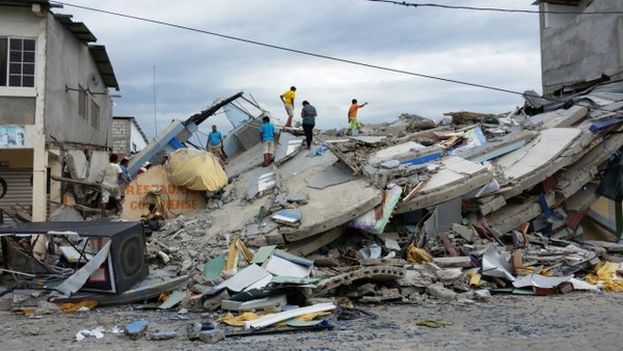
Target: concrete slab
point(289, 145)
point(337, 173)
point(550, 144)
point(456, 177)
point(554, 149)
point(329, 207)
point(302, 163)
point(395, 152)
point(560, 118)
point(245, 161)
point(512, 215)
point(307, 246)
point(496, 149)
point(259, 180)
point(368, 139)
point(332, 207)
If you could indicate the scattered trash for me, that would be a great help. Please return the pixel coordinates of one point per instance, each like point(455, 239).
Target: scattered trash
point(96, 333)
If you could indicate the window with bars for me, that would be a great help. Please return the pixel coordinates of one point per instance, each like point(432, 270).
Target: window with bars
point(95, 115)
point(17, 62)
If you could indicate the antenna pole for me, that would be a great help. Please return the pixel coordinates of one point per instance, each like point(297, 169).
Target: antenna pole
point(155, 104)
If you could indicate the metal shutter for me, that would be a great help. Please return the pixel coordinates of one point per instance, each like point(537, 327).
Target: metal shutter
point(19, 189)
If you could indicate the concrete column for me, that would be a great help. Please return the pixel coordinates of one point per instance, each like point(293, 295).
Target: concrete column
point(40, 153)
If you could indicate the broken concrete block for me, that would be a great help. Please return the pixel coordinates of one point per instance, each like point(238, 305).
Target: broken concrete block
point(448, 262)
point(274, 238)
point(448, 276)
point(482, 295)
point(211, 336)
point(193, 330)
point(440, 292)
point(272, 304)
point(162, 335)
point(464, 232)
point(383, 295)
point(372, 273)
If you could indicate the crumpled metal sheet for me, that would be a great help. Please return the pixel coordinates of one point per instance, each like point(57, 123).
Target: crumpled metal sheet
point(494, 264)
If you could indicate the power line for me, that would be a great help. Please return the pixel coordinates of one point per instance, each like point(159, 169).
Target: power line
point(297, 51)
point(497, 9)
point(316, 55)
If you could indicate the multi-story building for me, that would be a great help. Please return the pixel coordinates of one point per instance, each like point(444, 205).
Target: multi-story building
point(54, 95)
point(578, 45)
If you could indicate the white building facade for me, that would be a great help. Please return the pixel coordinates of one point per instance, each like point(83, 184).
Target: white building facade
point(54, 95)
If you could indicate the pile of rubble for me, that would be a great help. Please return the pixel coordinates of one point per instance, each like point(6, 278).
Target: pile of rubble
point(404, 211)
point(485, 204)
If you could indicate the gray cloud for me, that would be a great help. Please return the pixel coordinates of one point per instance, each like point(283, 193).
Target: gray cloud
point(193, 69)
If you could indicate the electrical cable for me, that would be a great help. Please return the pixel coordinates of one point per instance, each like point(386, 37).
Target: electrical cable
point(497, 9)
point(317, 55)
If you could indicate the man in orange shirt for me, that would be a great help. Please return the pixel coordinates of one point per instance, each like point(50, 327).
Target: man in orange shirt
point(352, 116)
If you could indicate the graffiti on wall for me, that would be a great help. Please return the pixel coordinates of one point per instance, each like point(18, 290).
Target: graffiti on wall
point(12, 136)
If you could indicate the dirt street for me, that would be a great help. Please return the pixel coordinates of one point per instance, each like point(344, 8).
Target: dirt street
point(578, 321)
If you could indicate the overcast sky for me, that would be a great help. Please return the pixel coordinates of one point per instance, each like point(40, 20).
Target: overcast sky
point(193, 69)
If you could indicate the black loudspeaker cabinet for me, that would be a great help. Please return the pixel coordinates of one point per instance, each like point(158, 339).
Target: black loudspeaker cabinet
point(125, 266)
point(126, 259)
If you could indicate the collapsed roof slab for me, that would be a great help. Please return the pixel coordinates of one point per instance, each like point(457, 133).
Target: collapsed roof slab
point(560, 118)
point(456, 178)
point(512, 215)
point(329, 207)
point(585, 169)
point(495, 149)
point(552, 150)
point(333, 206)
point(289, 145)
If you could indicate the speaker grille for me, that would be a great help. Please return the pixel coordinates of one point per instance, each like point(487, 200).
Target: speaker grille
point(131, 256)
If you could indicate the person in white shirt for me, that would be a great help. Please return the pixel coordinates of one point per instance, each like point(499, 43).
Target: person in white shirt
point(110, 183)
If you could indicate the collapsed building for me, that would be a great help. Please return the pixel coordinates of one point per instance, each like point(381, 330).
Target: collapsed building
point(405, 211)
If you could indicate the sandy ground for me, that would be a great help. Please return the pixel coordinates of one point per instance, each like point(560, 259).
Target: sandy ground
point(578, 321)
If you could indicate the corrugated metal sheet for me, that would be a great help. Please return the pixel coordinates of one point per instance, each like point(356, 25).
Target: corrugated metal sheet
point(19, 188)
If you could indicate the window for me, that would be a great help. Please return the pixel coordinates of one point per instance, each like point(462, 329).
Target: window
point(17, 62)
point(95, 115)
point(134, 147)
point(82, 102)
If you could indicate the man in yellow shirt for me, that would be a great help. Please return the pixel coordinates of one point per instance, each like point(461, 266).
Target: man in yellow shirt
point(288, 102)
point(352, 116)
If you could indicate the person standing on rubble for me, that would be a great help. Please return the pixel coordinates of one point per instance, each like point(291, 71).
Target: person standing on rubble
point(125, 178)
point(308, 113)
point(269, 139)
point(288, 102)
point(353, 122)
point(110, 187)
point(215, 144)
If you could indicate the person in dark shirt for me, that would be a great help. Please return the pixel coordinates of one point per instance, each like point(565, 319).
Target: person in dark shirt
point(309, 121)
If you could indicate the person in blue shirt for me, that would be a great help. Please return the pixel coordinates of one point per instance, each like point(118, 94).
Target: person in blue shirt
point(215, 143)
point(269, 139)
point(125, 179)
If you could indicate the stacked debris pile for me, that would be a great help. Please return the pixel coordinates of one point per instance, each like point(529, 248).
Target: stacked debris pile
point(470, 206)
point(405, 212)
